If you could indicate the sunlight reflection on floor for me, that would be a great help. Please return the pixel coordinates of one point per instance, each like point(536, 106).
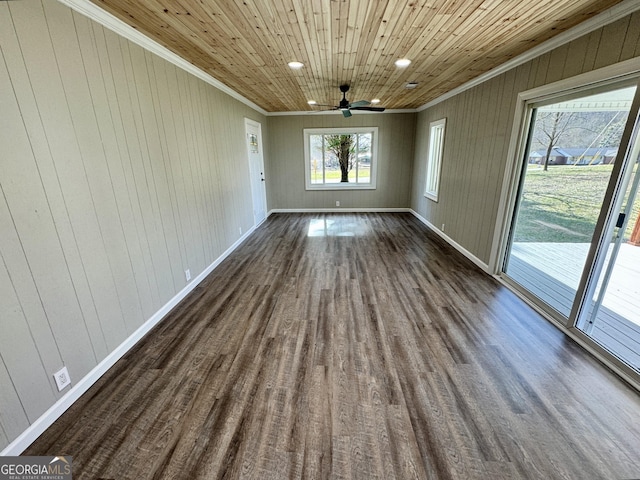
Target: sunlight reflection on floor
point(337, 227)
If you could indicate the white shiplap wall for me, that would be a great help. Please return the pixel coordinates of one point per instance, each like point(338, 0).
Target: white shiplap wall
point(118, 171)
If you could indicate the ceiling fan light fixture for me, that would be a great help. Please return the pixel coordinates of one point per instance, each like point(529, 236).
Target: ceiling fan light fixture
point(375, 100)
point(403, 62)
point(296, 65)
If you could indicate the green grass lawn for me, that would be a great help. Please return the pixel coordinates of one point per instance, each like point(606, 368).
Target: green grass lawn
point(334, 175)
point(562, 204)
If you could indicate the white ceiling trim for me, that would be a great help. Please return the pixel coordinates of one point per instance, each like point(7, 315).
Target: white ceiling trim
point(608, 16)
point(95, 13)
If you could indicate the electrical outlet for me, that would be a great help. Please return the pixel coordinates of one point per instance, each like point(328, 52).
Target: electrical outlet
point(62, 378)
point(442, 227)
point(337, 203)
point(187, 274)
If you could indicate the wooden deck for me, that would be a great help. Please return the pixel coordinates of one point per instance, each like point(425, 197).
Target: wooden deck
point(552, 272)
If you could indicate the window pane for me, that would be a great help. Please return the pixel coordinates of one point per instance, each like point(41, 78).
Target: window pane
point(331, 165)
point(434, 159)
point(364, 171)
point(364, 158)
point(315, 167)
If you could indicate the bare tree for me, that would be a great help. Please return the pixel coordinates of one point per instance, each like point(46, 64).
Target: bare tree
point(344, 148)
point(550, 127)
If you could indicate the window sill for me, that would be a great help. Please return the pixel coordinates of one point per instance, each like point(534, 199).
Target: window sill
point(348, 186)
point(431, 197)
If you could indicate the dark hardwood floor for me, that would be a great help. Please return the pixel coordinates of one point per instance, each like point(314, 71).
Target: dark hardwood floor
point(351, 346)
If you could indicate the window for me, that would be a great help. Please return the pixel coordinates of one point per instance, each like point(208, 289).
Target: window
point(340, 158)
point(434, 160)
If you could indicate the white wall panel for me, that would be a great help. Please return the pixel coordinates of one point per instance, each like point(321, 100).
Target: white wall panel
point(118, 172)
point(39, 215)
point(20, 353)
point(13, 418)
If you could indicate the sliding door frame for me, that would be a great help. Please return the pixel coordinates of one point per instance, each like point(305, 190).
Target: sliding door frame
point(613, 201)
point(615, 74)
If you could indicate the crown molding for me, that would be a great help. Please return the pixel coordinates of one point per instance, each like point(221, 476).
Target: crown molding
point(611, 15)
point(107, 20)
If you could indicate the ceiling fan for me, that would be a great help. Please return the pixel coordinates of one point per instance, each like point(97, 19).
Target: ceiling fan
point(345, 107)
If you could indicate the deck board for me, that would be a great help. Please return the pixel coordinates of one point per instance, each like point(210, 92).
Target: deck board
point(552, 272)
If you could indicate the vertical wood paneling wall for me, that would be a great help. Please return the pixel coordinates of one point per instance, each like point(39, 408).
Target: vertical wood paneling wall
point(118, 171)
point(285, 166)
point(479, 123)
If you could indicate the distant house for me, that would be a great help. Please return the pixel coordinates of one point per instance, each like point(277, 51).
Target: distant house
point(610, 155)
point(575, 156)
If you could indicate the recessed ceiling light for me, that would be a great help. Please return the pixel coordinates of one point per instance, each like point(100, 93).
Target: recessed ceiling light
point(375, 100)
point(403, 62)
point(312, 102)
point(411, 85)
point(296, 65)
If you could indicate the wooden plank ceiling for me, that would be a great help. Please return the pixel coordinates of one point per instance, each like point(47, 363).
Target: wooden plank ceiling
point(247, 44)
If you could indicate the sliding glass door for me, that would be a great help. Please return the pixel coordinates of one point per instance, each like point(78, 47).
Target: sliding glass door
point(577, 168)
point(611, 316)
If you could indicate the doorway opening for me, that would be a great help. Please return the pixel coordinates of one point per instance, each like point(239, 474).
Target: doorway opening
point(253, 132)
point(571, 244)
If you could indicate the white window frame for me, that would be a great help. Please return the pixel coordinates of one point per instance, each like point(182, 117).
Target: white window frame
point(434, 159)
point(341, 131)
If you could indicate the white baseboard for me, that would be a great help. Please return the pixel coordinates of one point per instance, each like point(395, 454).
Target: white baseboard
point(337, 210)
point(453, 243)
point(38, 427)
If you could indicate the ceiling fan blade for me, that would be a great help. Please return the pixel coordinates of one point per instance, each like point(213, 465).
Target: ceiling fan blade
point(359, 103)
point(369, 109)
point(346, 113)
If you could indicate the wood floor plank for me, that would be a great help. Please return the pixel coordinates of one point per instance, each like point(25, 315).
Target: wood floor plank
point(351, 346)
